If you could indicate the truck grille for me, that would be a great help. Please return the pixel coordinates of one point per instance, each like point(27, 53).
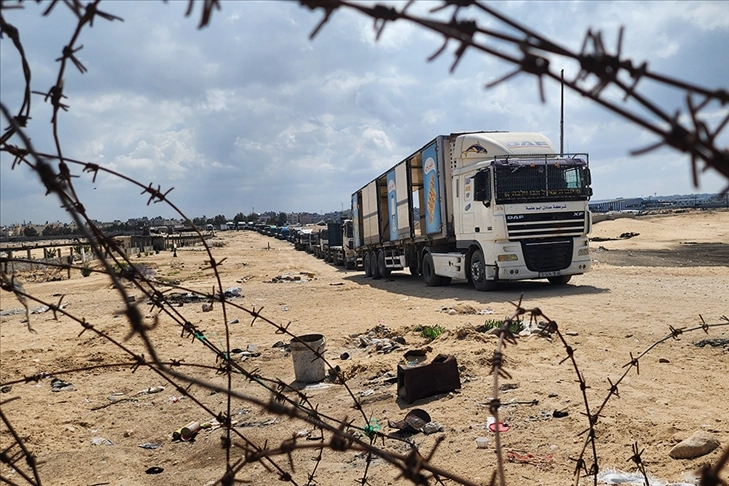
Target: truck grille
point(547, 256)
point(545, 225)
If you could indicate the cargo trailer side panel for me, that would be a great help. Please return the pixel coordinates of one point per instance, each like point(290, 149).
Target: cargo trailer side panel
point(371, 227)
point(402, 197)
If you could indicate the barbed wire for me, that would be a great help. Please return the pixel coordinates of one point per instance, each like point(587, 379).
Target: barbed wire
point(57, 173)
point(686, 130)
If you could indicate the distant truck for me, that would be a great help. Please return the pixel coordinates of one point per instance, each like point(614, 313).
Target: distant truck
point(343, 253)
point(480, 206)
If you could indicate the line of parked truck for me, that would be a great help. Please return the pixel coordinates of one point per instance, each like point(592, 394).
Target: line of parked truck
point(480, 206)
point(332, 242)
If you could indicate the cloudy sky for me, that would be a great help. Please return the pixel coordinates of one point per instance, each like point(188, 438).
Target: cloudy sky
point(250, 113)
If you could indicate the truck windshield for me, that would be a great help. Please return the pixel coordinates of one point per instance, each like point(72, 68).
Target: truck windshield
point(518, 182)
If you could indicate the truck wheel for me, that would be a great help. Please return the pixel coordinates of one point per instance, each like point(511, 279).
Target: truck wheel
point(374, 267)
point(367, 267)
point(349, 265)
point(478, 273)
point(431, 279)
point(561, 280)
point(384, 271)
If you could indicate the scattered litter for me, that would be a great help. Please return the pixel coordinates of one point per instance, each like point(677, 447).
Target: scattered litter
point(185, 297)
point(152, 389)
point(151, 445)
point(414, 421)
point(493, 426)
point(714, 343)
point(207, 307)
point(233, 321)
point(287, 277)
point(260, 423)
point(187, 433)
point(559, 414)
point(431, 428)
point(6, 389)
point(35, 310)
point(232, 292)
point(60, 385)
point(422, 380)
point(303, 433)
point(154, 470)
point(529, 458)
point(100, 441)
point(12, 312)
point(508, 386)
point(615, 476)
point(482, 442)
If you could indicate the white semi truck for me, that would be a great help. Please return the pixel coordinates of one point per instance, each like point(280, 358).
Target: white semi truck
point(480, 206)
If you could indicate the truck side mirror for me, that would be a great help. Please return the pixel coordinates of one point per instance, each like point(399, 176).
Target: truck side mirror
point(588, 176)
point(482, 187)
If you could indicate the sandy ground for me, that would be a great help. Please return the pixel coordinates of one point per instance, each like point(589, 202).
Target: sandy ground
point(673, 273)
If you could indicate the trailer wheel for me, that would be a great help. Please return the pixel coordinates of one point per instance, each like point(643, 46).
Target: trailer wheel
point(561, 280)
point(384, 271)
point(374, 267)
point(478, 273)
point(367, 267)
point(431, 279)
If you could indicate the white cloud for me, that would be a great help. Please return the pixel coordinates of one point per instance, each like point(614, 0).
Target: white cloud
point(251, 104)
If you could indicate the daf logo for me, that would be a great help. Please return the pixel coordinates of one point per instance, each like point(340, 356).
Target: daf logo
point(514, 217)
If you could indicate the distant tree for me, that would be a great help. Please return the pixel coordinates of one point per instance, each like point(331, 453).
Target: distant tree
point(239, 217)
point(200, 222)
point(281, 219)
point(253, 217)
point(30, 231)
point(220, 219)
point(50, 230)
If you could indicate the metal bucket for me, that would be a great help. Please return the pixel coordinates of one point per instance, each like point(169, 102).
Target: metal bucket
point(306, 352)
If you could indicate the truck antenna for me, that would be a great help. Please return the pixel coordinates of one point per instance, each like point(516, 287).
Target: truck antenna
point(561, 116)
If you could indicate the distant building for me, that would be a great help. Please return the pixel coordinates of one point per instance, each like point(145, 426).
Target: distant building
point(620, 204)
point(293, 218)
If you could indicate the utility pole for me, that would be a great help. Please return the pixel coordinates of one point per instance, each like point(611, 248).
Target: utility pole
point(561, 116)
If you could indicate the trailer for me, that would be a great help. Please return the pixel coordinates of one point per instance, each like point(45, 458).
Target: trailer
point(479, 206)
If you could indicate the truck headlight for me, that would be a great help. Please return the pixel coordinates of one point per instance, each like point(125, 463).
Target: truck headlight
point(583, 251)
point(508, 258)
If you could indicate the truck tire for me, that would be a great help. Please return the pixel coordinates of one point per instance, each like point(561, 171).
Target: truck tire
point(431, 279)
point(374, 267)
point(349, 265)
point(367, 267)
point(384, 271)
point(561, 280)
point(478, 273)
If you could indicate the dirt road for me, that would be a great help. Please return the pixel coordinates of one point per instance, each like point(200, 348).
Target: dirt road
point(673, 273)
